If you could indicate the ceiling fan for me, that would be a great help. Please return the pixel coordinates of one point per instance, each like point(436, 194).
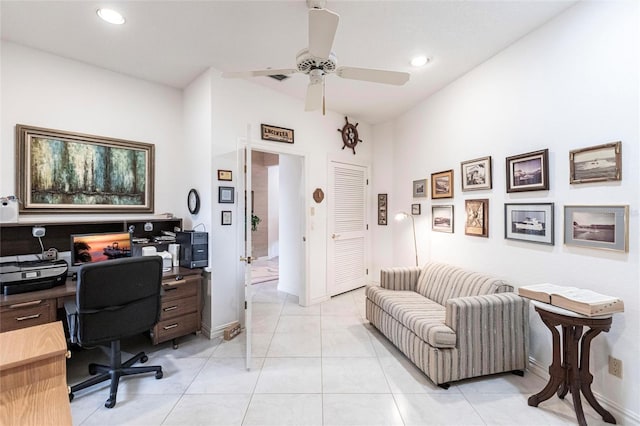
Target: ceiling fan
point(318, 60)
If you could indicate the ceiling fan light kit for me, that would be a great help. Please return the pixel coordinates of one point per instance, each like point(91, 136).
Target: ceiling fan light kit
point(318, 60)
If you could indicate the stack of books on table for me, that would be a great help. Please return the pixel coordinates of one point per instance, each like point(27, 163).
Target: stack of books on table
point(585, 302)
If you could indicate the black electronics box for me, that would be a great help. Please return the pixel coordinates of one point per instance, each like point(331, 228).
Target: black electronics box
point(194, 249)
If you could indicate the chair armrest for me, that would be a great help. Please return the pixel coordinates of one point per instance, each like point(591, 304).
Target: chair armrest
point(492, 331)
point(400, 278)
point(71, 310)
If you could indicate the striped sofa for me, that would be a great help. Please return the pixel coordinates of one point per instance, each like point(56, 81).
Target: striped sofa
point(451, 323)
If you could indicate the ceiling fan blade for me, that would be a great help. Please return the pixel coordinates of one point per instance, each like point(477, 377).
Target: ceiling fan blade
point(313, 100)
point(257, 73)
point(323, 24)
point(376, 76)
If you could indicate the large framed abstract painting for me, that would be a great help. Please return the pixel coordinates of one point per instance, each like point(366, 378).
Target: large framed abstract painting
point(64, 172)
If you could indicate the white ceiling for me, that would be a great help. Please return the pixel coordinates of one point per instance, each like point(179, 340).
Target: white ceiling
point(172, 42)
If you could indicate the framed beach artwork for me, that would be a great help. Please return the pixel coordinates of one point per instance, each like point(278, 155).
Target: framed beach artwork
point(602, 227)
point(596, 164)
point(64, 172)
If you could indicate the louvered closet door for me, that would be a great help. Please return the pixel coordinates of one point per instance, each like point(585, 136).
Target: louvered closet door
point(346, 247)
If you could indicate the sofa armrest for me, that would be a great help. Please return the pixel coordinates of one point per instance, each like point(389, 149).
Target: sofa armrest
point(492, 331)
point(400, 278)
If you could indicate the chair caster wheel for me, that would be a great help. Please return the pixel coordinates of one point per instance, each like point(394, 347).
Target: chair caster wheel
point(110, 403)
point(70, 397)
point(144, 359)
point(159, 375)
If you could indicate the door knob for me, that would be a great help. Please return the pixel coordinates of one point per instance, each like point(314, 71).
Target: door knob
point(334, 236)
point(245, 259)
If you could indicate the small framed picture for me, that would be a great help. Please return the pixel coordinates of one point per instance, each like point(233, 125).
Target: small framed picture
point(477, 222)
point(476, 174)
point(225, 194)
point(442, 184)
point(602, 227)
point(442, 218)
point(531, 222)
point(415, 209)
point(382, 209)
point(225, 175)
point(226, 217)
point(596, 163)
point(419, 188)
point(528, 172)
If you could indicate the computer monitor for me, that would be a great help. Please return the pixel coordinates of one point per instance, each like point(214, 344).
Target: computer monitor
point(89, 248)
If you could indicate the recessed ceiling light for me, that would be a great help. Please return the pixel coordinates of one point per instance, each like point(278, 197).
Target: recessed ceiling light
point(111, 16)
point(420, 60)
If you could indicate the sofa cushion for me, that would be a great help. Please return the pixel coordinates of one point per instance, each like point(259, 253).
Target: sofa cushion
point(422, 316)
point(440, 282)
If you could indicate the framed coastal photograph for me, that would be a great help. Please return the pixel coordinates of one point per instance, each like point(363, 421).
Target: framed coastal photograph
point(225, 195)
point(532, 222)
point(601, 227)
point(528, 172)
point(382, 209)
point(64, 172)
point(419, 188)
point(596, 163)
point(226, 217)
point(477, 221)
point(442, 218)
point(415, 209)
point(442, 184)
point(476, 174)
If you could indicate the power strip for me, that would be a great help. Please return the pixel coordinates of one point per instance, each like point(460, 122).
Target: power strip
point(232, 331)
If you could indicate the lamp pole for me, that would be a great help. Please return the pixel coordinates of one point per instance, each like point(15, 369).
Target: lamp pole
point(403, 215)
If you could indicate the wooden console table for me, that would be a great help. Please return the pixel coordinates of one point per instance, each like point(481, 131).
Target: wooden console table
point(569, 369)
point(33, 376)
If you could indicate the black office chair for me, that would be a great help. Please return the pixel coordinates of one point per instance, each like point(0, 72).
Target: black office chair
point(115, 299)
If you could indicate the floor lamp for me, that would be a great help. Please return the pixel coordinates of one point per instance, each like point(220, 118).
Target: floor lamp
point(402, 216)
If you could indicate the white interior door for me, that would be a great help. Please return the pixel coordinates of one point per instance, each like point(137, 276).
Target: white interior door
point(246, 207)
point(347, 227)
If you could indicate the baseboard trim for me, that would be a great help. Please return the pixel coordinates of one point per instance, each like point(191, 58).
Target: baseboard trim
point(622, 415)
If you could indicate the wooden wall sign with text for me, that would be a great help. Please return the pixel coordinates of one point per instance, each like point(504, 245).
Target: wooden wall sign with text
point(278, 134)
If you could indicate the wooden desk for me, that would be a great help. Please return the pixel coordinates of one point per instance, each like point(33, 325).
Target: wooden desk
point(569, 370)
point(181, 305)
point(33, 376)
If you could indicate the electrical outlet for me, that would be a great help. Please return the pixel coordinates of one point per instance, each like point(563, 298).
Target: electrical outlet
point(615, 366)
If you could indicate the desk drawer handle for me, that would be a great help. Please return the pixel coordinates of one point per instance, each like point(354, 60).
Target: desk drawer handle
point(166, 289)
point(28, 317)
point(22, 305)
point(169, 327)
point(170, 308)
point(174, 283)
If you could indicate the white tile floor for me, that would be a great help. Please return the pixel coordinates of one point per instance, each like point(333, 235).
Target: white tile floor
point(321, 365)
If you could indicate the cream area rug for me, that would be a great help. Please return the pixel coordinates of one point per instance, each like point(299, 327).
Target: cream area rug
point(264, 270)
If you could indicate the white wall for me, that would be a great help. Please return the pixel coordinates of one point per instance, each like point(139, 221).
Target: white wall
point(44, 90)
point(274, 211)
point(573, 83)
point(234, 105)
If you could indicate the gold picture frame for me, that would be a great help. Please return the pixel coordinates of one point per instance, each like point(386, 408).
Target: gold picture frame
point(442, 184)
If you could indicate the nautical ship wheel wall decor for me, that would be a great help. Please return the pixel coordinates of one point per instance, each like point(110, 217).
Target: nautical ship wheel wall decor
point(350, 135)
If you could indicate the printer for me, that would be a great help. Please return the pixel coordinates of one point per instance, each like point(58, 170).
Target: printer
point(31, 275)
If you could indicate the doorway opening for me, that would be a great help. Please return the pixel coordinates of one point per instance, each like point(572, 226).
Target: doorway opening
point(265, 188)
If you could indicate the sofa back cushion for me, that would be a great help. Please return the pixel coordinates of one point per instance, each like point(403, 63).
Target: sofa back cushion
point(441, 282)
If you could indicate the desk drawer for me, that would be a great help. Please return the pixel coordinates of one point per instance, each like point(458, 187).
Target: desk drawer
point(27, 314)
point(177, 307)
point(183, 288)
point(175, 327)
